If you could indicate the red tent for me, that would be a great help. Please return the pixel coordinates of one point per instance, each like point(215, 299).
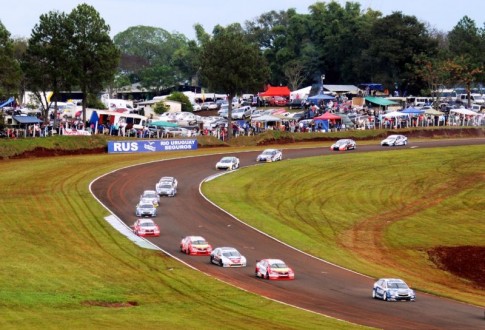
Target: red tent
point(327, 116)
point(276, 91)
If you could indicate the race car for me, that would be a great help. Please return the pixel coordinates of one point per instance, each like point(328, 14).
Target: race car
point(273, 269)
point(228, 163)
point(146, 227)
point(145, 208)
point(227, 257)
point(195, 245)
point(343, 144)
point(166, 188)
point(150, 195)
point(270, 155)
point(395, 140)
point(392, 289)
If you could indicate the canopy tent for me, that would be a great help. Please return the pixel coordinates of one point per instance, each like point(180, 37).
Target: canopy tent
point(433, 112)
point(300, 94)
point(9, 101)
point(276, 91)
point(322, 122)
point(27, 119)
point(465, 112)
point(413, 111)
point(161, 123)
point(394, 114)
point(380, 101)
point(267, 118)
point(328, 116)
point(342, 88)
point(320, 97)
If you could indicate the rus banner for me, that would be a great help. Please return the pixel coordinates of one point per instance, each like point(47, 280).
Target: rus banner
point(151, 145)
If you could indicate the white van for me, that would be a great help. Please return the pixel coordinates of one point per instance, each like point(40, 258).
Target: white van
point(474, 98)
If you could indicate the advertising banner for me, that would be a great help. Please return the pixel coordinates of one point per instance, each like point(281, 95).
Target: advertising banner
point(151, 145)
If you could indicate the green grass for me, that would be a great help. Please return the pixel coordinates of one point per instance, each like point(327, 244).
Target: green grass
point(376, 213)
point(62, 263)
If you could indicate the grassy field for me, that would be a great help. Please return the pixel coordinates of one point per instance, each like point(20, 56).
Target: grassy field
point(64, 267)
point(375, 213)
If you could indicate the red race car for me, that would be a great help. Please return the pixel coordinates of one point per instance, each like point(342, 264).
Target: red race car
point(195, 245)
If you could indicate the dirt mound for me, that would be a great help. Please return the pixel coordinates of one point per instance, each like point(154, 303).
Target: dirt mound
point(464, 261)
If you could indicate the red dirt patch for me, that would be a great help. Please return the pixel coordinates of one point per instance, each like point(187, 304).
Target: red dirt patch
point(464, 261)
point(110, 304)
point(45, 152)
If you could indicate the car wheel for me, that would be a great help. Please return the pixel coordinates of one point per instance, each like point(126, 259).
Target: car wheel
point(373, 294)
point(267, 276)
point(211, 260)
point(384, 296)
point(220, 263)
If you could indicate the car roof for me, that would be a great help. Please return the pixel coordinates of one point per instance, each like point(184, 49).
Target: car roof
point(274, 261)
point(196, 238)
point(267, 150)
point(149, 192)
point(393, 280)
point(227, 248)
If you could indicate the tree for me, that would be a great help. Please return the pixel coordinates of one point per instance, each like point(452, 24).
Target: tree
point(183, 99)
point(9, 66)
point(294, 72)
point(231, 64)
point(94, 56)
point(47, 62)
point(465, 70)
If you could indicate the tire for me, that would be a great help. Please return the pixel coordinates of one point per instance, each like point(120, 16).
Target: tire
point(220, 263)
point(211, 260)
point(384, 296)
point(373, 294)
point(267, 276)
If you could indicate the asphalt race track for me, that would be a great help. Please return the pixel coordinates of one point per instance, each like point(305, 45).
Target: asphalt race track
point(319, 286)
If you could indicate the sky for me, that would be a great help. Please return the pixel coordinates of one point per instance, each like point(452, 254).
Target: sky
point(20, 16)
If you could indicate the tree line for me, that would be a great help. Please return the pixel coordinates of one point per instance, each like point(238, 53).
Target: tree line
point(347, 44)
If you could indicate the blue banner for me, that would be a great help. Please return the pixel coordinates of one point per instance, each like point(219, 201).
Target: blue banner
point(151, 145)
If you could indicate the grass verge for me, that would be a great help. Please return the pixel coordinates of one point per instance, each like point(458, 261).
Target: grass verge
point(63, 266)
point(376, 213)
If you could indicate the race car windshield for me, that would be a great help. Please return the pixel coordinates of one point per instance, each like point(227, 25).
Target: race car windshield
point(268, 152)
point(226, 160)
point(146, 206)
point(231, 254)
point(147, 224)
point(199, 242)
point(166, 186)
point(278, 265)
point(397, 285)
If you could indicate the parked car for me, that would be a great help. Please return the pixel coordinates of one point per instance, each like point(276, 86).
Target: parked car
point(196, 107)
point(273, 269)
point(195, 245)
point(242, 112)
point(278, 101)
point(392, 289)
point(146, 227)
point(145, 208)
point(210, 106)
point(343, 144)
point(395, 140)
point(270, 155)
point(296, 104)
point(228, 163)
point(227, 257)
point(151, 195)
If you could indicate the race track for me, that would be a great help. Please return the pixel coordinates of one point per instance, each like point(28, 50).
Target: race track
point(319, 286)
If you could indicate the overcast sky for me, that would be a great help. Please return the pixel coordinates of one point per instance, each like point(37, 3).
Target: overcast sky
point(20, 16)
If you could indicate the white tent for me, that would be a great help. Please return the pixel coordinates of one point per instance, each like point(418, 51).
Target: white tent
point(300, 94)
point(464, 112)
point(394, 114)
point(267, 118)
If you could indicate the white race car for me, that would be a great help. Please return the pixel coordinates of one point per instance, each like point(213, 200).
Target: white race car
point(145, 208)
point(228, 163)
point(395, 140)
point(270, 155)
point(227, 257)
point(392, 289)
point(152, 196)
